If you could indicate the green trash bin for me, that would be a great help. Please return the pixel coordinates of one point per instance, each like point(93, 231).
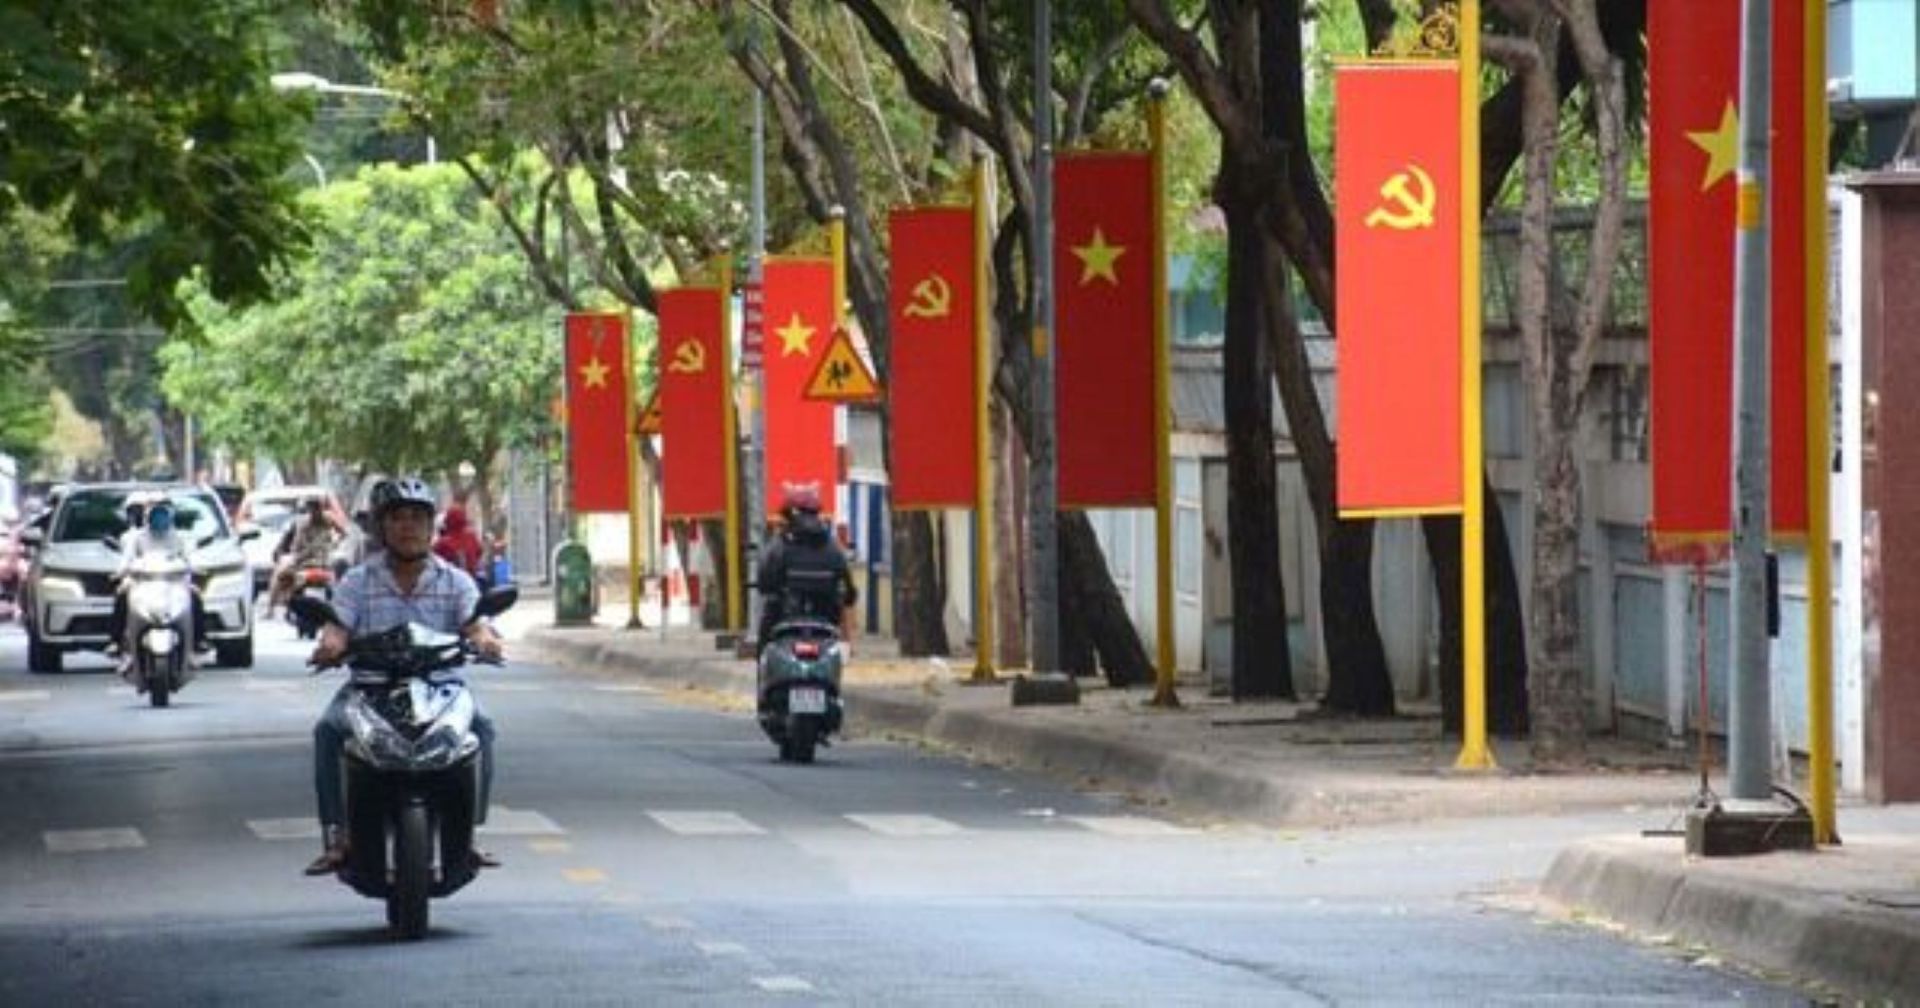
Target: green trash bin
point(572, 585)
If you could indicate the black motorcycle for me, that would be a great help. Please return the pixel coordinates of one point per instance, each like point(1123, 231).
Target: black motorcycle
point(412, 763)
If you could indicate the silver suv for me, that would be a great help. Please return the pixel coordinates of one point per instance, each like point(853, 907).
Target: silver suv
point(68, 597)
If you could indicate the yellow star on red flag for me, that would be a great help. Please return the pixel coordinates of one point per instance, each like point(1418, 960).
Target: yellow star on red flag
point(593, 373)
point(795, 338)
point(1722, 144)
point(1097, 259)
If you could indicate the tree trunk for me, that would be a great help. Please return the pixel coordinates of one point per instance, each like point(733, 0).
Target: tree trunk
point(1009, 504)
point(1088, 595)
point(713, 593)
point(919, 622)
point(1346, 582)
point(1559, 673)
point(1506, 665)
point(1262, 662)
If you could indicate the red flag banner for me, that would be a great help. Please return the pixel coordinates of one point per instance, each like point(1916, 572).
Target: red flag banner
point(1397, 238)
point(1694, 150)
point(931, 375)
point(693, 403)
point(598, 405)
point(797, 312)
point(1104, 242)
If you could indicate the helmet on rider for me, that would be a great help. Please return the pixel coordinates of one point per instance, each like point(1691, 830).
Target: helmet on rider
point(799, 498)
point(134, 509)
point(389, 496)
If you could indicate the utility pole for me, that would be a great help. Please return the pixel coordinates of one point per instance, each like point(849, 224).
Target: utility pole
point(1749, 715)
point(1043, 534)
point(756, 472)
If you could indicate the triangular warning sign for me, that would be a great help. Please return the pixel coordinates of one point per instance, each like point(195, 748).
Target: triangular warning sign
point(842, 376)
point(649, 421)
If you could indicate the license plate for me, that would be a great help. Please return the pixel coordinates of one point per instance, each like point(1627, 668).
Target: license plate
point(807, 700)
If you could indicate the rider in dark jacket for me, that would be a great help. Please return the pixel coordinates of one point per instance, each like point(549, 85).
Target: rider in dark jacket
point(804, 573)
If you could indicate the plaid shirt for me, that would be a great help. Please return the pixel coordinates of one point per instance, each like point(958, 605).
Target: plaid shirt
point(368, 599)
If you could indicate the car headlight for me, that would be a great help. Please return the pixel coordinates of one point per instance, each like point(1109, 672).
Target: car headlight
point(62, 588)
point(233, 581)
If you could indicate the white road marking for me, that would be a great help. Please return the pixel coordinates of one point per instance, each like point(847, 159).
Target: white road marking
point(721, 948)
point(624, 688)
point(693, 822)
point(504, 821)
point(1134, 826)
point(269, 685)
point(906, 825)
point(303, 828)
point(782, 985)
point(669, 923)
point(84, 840)
point(23, 696)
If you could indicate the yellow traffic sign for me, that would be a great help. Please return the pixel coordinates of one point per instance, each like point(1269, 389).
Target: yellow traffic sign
point(842, 376)
point(649, 422)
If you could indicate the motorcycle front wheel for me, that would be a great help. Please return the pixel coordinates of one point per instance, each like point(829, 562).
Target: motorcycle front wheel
point(408, 900)
point(159, 684)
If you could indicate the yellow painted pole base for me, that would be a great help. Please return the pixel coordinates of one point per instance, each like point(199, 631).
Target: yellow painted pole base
point(1164, 696)
point(1475, 758)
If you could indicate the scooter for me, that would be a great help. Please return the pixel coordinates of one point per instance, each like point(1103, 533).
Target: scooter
point(315, 583)
point(799, 687)
point(160, 625)
point(412, 763)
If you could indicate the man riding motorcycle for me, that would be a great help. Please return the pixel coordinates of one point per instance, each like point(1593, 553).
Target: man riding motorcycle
point(309, 542)
point(403, 583)
point(804, 573)
point(150, 532)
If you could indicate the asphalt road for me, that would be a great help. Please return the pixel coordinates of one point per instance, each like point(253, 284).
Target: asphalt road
point(660, 854)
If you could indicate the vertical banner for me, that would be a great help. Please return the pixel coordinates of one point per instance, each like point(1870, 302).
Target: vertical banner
point(1397, 158)
point(598, 402)
point(930, 389)
point(797, 309)
point(693, 402)
point(1694, 153)
point(1104, 235)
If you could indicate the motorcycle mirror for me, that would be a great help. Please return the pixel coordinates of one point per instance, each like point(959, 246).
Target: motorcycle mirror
point(32, 536)
point(248, 533)
point(313, 610)
point(111, 542)
point(496, 601)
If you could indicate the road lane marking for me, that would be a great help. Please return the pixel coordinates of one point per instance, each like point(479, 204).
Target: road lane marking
point(80, 841)
point(504, 821)
point(24, 696)
point(269, 685)
point(584, 876)
point(1132, 826)
point(695, 822)
point(303, 828)
point(905, 825)
point(782, 985)
point(550, 846)
point(721, 948)
point(624, 688)
point(661, 923)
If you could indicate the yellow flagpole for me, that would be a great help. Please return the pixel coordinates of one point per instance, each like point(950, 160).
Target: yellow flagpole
point(982, 431)
point(1819, 512)
point(633, 481)
point(1474, 752)
point(1163, 680)
point(730, 423)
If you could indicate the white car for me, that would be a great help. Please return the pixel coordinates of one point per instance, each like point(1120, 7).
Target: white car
point(70, 585)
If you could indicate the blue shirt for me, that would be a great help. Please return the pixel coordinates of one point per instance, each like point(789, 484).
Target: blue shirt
point(368, 599)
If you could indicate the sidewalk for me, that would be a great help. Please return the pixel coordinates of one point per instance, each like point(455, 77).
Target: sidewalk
point(1848, 917)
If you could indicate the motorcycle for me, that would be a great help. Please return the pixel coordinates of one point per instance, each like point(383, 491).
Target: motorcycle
point(315, 583)
point(412, 776)
point(799, 687)
point(160, 625)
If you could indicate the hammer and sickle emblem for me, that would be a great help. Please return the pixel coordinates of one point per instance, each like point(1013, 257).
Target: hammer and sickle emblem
point(689, 357)
point(1409, 199)
point(932, 298)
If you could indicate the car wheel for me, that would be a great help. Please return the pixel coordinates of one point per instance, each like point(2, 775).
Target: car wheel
point(41, 656)
point(235, 654)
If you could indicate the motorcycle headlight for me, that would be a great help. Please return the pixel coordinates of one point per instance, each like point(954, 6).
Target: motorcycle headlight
point(233, 581)
point(443, 746)
point(377, 741)
point(66, 589)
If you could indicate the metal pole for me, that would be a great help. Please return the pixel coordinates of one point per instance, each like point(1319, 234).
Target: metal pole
point(723, 278)
point(635, 534)
point(1813, 164)
point(1474, 752)
point(1750, 701)
point(186, 439)
point(982, 432)
point(1165, 658)
point(1042, 490)
point(756, 469)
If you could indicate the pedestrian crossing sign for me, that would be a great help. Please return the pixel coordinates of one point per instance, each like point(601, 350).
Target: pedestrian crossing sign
point(842, 375)
point(649, 417)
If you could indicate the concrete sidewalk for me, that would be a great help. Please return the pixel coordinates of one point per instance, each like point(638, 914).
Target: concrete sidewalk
point(1848, 917)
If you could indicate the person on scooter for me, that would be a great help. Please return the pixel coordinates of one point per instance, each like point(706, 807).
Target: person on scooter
point(150, 532)
point(309, 542)
point(804, 573)
point(403, 583)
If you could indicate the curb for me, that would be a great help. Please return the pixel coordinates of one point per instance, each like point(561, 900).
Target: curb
point(1182, 780)
point(1823, 936)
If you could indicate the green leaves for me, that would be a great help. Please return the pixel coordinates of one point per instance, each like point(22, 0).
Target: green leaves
point(412, 339)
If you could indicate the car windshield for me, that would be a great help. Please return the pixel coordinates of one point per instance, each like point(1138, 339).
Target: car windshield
point(96, 514)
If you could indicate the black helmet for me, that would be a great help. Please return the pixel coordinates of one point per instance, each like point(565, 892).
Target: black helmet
point(392, 493)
